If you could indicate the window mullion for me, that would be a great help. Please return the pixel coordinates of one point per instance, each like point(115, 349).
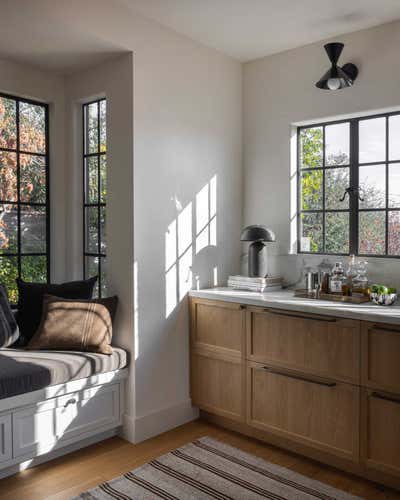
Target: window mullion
point(323, 190)
point(19, 243)
point(354, 184)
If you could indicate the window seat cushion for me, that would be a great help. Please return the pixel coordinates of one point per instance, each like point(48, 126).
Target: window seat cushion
point(25, 371)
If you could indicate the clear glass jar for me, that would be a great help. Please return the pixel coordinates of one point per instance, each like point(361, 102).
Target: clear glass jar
point(337, 278)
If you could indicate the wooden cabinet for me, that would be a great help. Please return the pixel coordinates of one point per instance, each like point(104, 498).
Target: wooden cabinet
point(381, 356)
point(320, 385)
point(217, 358)
point(322, 345)
point(319, 413)
point(381, 431)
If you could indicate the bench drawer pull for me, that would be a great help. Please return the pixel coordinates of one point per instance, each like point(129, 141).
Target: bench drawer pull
point(71, 401)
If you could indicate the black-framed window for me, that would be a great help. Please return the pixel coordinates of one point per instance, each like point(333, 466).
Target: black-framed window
point(349, 186)
point(24, 192)
point(95, 192)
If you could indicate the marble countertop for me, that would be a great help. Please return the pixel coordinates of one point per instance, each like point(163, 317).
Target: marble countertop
point(285, 299)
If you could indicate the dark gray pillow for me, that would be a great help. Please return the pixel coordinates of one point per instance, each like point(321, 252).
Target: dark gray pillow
point(9, 331)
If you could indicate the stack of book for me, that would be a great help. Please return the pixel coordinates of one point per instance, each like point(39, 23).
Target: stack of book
point(267, 284)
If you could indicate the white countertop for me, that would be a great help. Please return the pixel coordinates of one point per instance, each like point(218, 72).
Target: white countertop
point(285, 299)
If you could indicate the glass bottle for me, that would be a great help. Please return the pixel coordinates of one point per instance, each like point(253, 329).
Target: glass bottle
point(337, 278)
point(360, 281)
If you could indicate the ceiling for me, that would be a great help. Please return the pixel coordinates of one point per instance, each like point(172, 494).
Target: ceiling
point(64, 36)
point(249, 29)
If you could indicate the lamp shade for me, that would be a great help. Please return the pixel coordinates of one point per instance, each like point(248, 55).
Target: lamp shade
point(257, 233)
point(337, 77)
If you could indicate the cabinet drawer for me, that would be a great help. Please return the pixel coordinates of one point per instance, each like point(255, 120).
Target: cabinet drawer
point(5, 438)
point(381, 357)
point(217, 385)
point(320, 345)
point(39, 429)
point(219, 325)
point(381, 431)
point(315, 412)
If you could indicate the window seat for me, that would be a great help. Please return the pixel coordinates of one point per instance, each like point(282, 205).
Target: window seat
point(23, 371)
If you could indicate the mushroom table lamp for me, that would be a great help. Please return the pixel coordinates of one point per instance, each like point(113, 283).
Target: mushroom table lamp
point(258, 235)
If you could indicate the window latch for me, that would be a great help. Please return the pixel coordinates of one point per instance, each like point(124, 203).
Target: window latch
point(350, 191)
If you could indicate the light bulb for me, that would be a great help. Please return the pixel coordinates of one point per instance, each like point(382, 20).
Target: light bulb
point(333, 83)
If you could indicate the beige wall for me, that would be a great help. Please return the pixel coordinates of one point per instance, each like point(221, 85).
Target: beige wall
point(25, 81)
point(279, 91)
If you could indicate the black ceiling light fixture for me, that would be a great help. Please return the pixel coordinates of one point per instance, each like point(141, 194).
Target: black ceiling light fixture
point(337, 77)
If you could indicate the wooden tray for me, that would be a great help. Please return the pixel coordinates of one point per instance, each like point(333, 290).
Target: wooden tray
point(356, 299)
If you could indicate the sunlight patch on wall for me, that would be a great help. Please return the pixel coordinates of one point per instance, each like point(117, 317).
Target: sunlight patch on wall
point(206, 216)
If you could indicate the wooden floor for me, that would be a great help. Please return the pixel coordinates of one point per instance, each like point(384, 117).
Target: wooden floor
point(84, 469)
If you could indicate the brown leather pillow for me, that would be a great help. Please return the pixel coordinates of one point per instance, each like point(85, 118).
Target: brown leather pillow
point(76, 325)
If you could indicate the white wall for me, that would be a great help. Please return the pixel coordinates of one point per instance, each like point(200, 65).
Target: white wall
point(187, 130)
point(279, 91)
point(25, 81)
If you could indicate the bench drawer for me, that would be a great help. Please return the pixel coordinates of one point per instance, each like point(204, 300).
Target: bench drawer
point(5, 438)
point(41, 428)
point(320, 345)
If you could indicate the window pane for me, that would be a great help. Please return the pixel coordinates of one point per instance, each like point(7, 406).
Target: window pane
point(8, 229)
point(8, 123)
point(33, 179)
point(311, 147)
point(92, 270)
point(103, 228)
point(394, 233)
point(337, 144)
point(372, 233)
point(91, 128)
point(311, 233)
point(372, 180)
point(103, 178)
point(311, 190)
point(337, 232)
point(394, 185)
point(394, 137)
point(103, 129)
point(337, 180)
point(104, 284)
point(372, 140)
point(8, 176)
point(34, 268)
point(33, 229)
point(32, 128)
point(91, 225)
point(91, 179)
point(8, 275)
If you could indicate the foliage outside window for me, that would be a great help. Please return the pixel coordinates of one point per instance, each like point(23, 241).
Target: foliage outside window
point(24, 200)
point(95, 192)
point(349, 187)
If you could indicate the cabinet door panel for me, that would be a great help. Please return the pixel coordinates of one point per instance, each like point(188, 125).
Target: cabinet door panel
point(217, 386)
point(318, 345)
point(381, 432)
point(219, 325)
point(322, 414)
point(381, 356)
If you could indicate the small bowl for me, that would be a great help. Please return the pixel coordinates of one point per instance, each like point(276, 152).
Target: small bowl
point(383, 299)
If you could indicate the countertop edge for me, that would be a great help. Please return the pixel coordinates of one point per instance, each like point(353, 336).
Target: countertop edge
point(291, 303)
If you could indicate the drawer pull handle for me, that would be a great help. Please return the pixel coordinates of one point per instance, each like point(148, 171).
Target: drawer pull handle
point(327, 320)
point(71, 401)
point(299, 377)
point(383, 329)
point(385, 398)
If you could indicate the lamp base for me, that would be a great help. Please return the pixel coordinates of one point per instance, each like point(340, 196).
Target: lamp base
point(257, 260)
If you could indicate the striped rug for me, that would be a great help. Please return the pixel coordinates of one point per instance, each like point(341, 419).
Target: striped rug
point(210, 469)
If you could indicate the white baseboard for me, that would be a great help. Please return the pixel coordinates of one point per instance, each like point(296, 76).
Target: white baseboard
point(163, 420)
point(127, 430)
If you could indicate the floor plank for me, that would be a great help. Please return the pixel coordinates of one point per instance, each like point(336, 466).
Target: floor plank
point(67, 476)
